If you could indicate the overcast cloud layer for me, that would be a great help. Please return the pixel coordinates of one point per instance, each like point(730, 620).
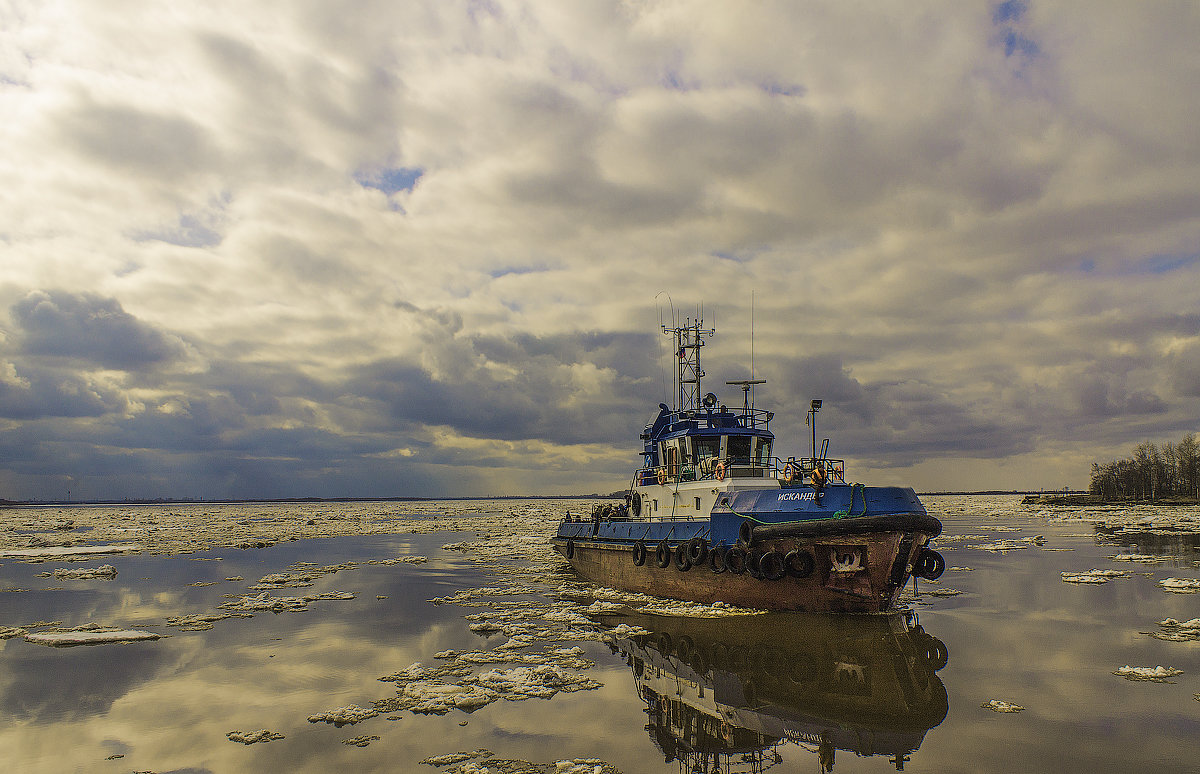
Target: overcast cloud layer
point(322, 248)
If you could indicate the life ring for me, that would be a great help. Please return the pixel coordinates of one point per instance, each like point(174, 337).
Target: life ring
point(771, 566)
point(639, 553)
point(570, 549)
point(662, 553)
point(735, 560)
point(720, 471)
point(799, 564)
point(789, 473)
point(662, 476)
point(683, 562)
point(716, 559)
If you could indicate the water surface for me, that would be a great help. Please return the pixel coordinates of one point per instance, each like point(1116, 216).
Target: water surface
point(545, 673)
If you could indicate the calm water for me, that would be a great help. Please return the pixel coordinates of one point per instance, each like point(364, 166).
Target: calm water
point(515, 653)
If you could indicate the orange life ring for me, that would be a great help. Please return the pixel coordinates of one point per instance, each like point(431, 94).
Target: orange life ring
point(789, 473)
point(662, 476)
point(720, 471)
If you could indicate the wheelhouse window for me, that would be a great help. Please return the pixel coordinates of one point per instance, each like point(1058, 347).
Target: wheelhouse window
point(762, 454)
point(708, 449)
point(738, 449)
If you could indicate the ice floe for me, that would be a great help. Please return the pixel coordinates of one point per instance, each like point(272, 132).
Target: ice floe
point(360, 741)
point(449, 759)
point(88, 635)
point(1143, 558)
point(999, 705)
point(485, 762)
point(64, 552)
point(1178, 631)
point(344, 716)
point(1092, 576)
point(198, 622)
point(1006, 545)
point(253, 737)
point(265, 602)
point(106, 571)
point(1157, 674)
point(8, 632)
point(1180, 585)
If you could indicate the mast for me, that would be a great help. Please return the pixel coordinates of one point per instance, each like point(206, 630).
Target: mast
point(689, 338)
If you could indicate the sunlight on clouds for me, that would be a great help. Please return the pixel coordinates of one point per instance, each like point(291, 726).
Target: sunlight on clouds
point(342, 229)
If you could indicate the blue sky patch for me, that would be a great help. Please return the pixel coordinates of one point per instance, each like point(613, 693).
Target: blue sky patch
point(391, 180)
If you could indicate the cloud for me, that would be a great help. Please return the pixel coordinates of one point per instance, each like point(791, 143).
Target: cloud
point(89, 328)
point(264, 248)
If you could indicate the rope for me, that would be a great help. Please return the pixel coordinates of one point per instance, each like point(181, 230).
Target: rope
point(849, 508)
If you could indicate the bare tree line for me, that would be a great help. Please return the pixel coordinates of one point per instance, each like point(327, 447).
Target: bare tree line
point(1153, 473)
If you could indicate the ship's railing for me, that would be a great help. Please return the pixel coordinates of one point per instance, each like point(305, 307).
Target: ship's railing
point(711, 469)
point(801, 469)
point(749, 418)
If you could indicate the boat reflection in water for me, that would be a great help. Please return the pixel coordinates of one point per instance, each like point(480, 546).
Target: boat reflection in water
point(723, 695)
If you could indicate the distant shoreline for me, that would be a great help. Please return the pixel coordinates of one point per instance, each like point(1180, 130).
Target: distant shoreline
point(1083, 498)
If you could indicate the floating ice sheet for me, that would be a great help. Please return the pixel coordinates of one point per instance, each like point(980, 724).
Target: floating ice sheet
point(1156, 674)
point(1092, 576)
point(999, 705)
point(82, 573)
point(253, 737)
point(60, 552)
point(1180, 585)
point(1178, 631)
point(65, 638)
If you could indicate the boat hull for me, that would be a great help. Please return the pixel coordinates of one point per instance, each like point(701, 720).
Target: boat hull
point(850, 572)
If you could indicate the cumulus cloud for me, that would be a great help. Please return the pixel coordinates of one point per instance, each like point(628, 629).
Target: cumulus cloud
point(89, 328)
point(314, 249)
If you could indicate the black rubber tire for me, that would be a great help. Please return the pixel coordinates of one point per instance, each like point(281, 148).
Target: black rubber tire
point(637, 505)
point(697, 550)
point(936, 653)
point(716, 559)
point(662, 554)
point(771, 566)
point(799, 564)
point(735, 560)
point(639, 553)
point(931, 565)
point(683, 562)
point(753, 557)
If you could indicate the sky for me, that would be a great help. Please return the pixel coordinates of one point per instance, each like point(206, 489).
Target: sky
point(290, 249)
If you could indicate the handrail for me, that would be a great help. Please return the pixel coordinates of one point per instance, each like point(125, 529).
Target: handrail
point(772, 468)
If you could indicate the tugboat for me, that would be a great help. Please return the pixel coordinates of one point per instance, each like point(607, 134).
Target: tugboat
point(712, 515)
